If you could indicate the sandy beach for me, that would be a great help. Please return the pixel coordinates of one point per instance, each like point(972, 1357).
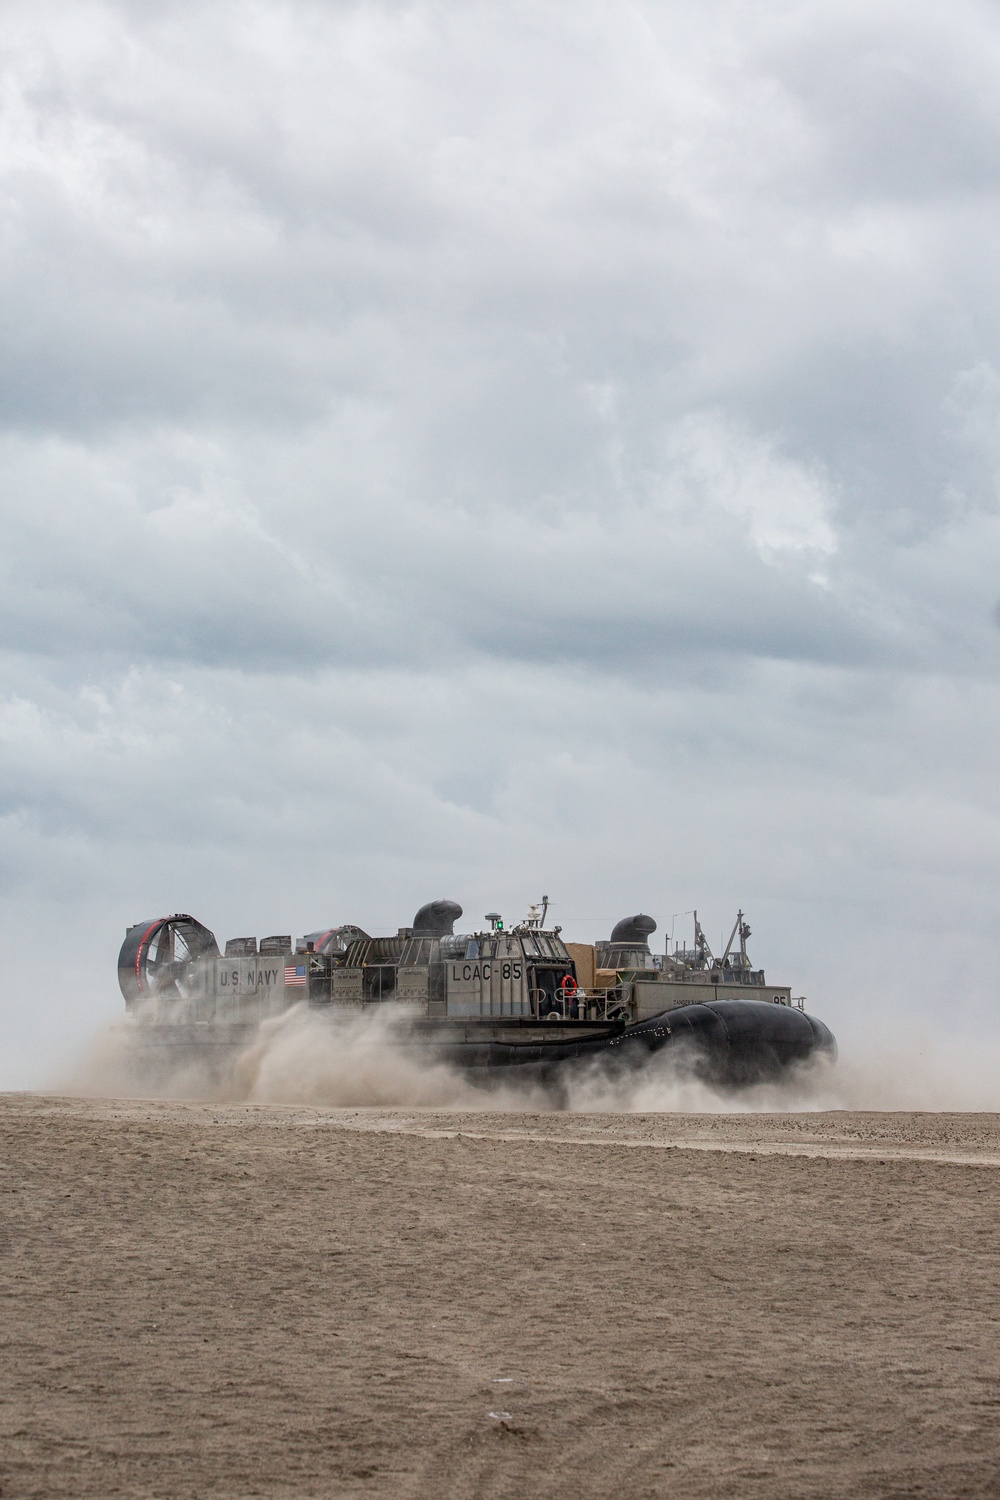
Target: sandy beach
point(255, 1300)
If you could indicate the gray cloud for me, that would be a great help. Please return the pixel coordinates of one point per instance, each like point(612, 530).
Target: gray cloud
point(469, 449)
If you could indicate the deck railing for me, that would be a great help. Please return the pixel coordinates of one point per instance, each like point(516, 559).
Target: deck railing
point(580, 1005)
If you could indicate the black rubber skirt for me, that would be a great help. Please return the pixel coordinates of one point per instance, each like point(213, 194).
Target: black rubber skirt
point(730, 1042)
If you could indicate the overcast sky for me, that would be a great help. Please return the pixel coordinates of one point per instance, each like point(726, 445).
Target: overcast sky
point(478, 450)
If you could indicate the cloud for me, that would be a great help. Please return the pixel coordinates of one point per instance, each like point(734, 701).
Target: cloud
point(473, 449)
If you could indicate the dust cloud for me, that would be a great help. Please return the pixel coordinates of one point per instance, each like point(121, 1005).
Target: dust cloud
point(363, 1060)
point(369, 1060)
point(357, 1060)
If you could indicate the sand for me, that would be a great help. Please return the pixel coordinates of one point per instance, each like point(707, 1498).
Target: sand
point(229, 1301)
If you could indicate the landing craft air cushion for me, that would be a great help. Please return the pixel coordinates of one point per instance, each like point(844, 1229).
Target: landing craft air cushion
point(519, 999)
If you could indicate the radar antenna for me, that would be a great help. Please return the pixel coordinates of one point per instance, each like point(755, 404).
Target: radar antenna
point(536, 918)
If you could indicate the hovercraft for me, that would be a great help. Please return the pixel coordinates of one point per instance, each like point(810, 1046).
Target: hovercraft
point(521, 1000)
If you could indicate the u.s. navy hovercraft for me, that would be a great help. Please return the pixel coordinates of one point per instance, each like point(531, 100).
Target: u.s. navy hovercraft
point(518, 998)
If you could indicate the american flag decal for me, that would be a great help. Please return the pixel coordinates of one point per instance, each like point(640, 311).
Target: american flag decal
point(295, 974)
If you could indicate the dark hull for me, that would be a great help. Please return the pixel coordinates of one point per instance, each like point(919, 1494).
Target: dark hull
point(733, 1042)
point(728, 1042)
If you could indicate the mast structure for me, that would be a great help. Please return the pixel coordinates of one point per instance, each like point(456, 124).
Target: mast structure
point(705, 955)
point(741, 929)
